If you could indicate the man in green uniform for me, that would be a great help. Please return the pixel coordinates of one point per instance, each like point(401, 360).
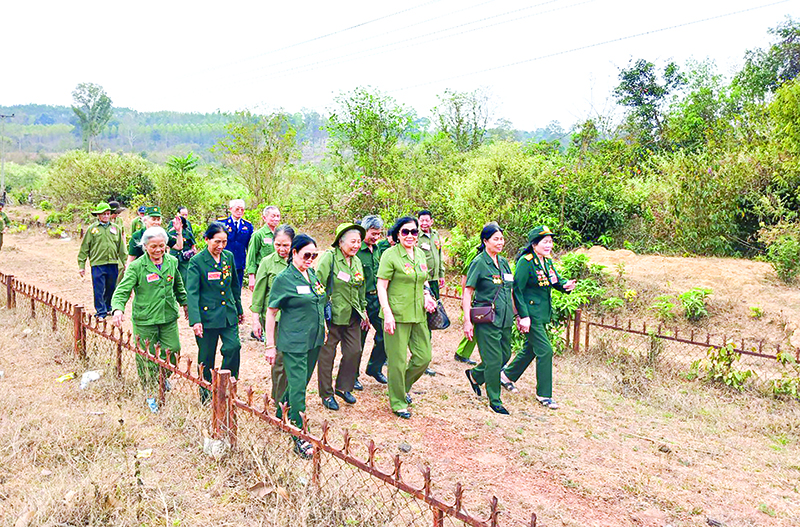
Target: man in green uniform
point(431, 245)
point(104, 246)
point(183, 212)
point(370, 256)
point(4, 223)
point(138, 221)
point(466, 346)
point(116, 210)
point(152, 218)
point(261, 243)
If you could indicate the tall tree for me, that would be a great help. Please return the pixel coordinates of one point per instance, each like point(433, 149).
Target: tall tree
point(258, 147)
point(764, 71)
point(93, 109)
point(463, 116)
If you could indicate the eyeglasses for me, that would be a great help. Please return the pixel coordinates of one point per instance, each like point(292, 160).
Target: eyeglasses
point(406, 232)
point(309, 256)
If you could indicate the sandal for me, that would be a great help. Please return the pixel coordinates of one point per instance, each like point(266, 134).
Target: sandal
point(549, 403)
point(303, 448)
point(508, 385)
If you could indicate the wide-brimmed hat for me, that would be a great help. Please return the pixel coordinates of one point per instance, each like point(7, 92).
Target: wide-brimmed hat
point(116, 208)
point(154, 212)
point(537, 233)
point(343, 228)
point(101, 208)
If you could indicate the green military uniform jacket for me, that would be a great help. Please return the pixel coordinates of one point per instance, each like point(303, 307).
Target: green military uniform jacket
point(407, 280)
point(4, 222)
point(532, 285)
point(214, 297)
point(370, 260)
point(383, 245)
point(137, 224)
point(158, 292)
point(348, 291)
point(431, 245)
point(261, 245)
point(302, 306)
point(102, 245)
point(135, 248)
point(488, 280)
point(270, 267)
point(188, 243)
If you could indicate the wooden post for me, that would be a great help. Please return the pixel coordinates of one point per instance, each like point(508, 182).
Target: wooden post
point(33, 307)
point(119, 356)
point(9, 291)
point(438, 518)
point(79, 333)
point(586, 346)
point(576, 339)
point(220, 383)
point(55, 319)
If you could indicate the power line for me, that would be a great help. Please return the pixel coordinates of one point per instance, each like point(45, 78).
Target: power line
point(380, 49)
point(320, 37)
point(581, 48)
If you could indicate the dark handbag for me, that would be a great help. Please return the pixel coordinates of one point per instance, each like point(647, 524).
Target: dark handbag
point(438, 319)
point(328, 291)
point(187, 255)
point(484, 314)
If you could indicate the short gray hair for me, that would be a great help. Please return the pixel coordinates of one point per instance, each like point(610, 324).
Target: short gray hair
point(269, 208)
point(372, 222)
point(235, 202)
point(153, 233)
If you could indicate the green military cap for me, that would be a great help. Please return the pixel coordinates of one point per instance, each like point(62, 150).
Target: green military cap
point(154, 212)
point(537, 233)
point(343, 228)
point(101, 208)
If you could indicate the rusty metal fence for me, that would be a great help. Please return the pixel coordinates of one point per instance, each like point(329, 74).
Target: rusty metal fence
point(362, 484)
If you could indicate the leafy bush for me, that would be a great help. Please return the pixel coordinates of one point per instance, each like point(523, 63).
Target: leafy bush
point(663, 307)
point(612, 303)
point(694, 303)
point(756, 312)
point(719, 366)
point(575, 266)
point(784, 255)
point(45, 205)
point(789, 383)
point(56, 217)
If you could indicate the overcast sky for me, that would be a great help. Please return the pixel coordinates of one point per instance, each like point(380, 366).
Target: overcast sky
point(202, 56)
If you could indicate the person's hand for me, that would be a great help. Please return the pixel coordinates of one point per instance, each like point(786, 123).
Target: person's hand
point(251, 282)
point(117, 318)
point(198, 330)
point(257, 330)
point(241, 318)
point(364, 321)
point(469, 329)
point(569, 286)
point(524, 324)
point(270, 355)
point(430, 304)
point(82, 272)
point(176, 224)
point(388, 323)
point(186, 312)
point(441, 283)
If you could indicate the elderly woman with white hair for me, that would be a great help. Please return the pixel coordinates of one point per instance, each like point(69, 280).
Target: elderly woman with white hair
point(158, 291)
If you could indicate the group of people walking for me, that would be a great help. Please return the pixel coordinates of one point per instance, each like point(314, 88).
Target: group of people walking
point(306, 314)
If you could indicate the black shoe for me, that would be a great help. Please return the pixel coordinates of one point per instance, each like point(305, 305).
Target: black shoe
point(330, 403)
point(498, 409)
point(303, 448)
point(358, 386)
point(408, 399)
point(348, 397)
point(430, 372)
point(254, 337)
point(459, 358)
point(379, 377)
point(403, 414)
point(475, 386)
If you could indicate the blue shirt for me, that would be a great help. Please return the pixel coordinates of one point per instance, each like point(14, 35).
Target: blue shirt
point(238, 239)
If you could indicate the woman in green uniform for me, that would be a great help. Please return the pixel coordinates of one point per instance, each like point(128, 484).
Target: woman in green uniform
point(270, 267)
point(300, 298)
point(404, 299)
point(534, 277)
point(188, 250)
point(215, 304)
point(158, 290)
point(343, 275)
point(490, 283)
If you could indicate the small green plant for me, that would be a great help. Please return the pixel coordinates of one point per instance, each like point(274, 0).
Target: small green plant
point(789, 383)
point(756, 312)
point(45, 205)
point(55, 232)
point(784, 255)
point(663, 307)
point(719, 367)
point(630, 295)
point(766, 509)
point(575, 266)
point(35, 217)
point(605, 240)
point(56, 217)
point(612, 303)
point(694, 303)
point(620, 267)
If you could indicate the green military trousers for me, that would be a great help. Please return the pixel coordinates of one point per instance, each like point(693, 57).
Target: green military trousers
point(537, 344)
point(494, 345)
point(378, 356)
point(299, 369)
point(350, 338)
point(403, 373)
point(278, 372)
point(465, 348)
point(207, 352)
point(166, 335)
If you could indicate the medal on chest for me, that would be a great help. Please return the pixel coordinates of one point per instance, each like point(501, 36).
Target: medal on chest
point(319, 289)
point(408, 268)
point(496, 279)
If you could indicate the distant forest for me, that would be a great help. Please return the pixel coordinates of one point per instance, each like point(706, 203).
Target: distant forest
point(40, 129)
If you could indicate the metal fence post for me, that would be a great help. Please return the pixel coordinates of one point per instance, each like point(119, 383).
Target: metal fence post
point(576, 338)
point(78, 333)
point(9, 291)
point(586, 346)
point(223, 424)
point(438, 518)
point(33, 307)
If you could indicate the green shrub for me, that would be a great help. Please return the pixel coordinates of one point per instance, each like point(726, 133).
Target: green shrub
point(56, 217)
point(45, 205)
point(784, 255)
point(789, 383)
point(694, 303)
point(756, 312)
point(574, 266)
point(663, 307)
point(612, 303)
point(719, 367)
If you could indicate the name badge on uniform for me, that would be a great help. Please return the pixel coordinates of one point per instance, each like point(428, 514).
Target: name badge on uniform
point(344, 277)
point(113, 230)
point(153, 277)
point(426, 246)
point(303, 289)
point(268, 241)
point(214, 275)
point(508, 277)
point(553, 278)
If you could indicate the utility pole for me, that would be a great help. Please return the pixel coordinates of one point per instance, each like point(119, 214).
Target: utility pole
point(3, 155)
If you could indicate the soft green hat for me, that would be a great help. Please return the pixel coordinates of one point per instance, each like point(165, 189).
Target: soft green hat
point(101, 208)
point(153, 211)
point(343, 228)
point(537, 233)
